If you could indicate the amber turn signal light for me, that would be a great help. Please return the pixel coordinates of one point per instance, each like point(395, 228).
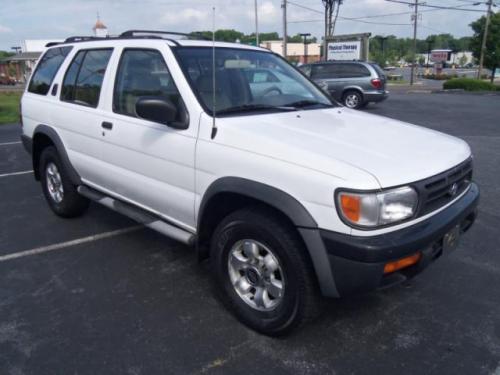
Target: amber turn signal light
point(351, 207)
point(402, 263)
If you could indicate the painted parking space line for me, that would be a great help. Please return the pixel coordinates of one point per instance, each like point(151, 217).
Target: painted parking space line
point(63, 245)
point(15, 173)
point(10, 143)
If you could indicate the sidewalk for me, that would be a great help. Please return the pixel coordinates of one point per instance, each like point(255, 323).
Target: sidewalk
point(420, 86)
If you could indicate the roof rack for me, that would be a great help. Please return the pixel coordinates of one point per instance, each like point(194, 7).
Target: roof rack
point(133, 33)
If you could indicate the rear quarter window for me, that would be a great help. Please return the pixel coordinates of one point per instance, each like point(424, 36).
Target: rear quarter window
point(47, 69)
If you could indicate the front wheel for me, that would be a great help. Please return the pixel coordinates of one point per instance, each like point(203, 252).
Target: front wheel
point(263, 272)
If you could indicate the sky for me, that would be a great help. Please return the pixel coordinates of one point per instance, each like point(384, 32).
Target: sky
point(44, 19)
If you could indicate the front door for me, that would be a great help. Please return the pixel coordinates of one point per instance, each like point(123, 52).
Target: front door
point(148, 163)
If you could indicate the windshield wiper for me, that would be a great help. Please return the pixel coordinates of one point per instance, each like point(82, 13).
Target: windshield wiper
point(254, 107)
point(308, 103)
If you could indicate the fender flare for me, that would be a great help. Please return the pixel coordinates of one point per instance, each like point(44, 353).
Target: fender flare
point(272, 196)
point(290, 207)
point(61, 150)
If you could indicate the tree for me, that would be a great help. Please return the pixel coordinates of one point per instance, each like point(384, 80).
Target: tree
point(4, 54)
point(492, 52)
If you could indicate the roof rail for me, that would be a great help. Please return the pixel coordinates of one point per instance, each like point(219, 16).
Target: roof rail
point(132, 33)
point(73, 39)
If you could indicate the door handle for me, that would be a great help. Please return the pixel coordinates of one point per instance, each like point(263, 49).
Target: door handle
point(107, 125)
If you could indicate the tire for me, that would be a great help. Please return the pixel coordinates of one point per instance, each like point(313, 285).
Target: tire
point(353, 99)
point(60, 193)
point(260, 228)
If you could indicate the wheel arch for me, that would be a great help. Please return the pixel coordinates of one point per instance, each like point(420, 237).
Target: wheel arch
point(230, 193)
point(45, 136)
point(358, 89)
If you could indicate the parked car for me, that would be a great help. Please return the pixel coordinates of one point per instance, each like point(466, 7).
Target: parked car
point(353, 83)
point(290, 196)
point(6, 80)
point(265, 82)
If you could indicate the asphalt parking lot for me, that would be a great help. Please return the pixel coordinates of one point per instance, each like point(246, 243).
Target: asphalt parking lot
point(100, 295)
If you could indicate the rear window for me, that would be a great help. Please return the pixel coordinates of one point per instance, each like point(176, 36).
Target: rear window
point(83, 79)
point(379, 70)
point(47, 69)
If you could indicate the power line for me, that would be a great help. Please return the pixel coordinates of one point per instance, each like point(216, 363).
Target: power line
point(439, 6)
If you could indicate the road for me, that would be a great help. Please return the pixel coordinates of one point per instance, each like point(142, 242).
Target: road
point(125, 300)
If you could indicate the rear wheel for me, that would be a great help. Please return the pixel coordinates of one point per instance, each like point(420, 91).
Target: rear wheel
point(60, 193)
point(264, 275)
point(353, 99)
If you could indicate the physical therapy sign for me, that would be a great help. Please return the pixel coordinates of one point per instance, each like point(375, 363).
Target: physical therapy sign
point(344, 50)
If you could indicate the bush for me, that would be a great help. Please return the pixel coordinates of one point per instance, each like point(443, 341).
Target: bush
point(469, 84)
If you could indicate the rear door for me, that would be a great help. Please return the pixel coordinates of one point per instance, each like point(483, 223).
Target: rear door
point(330, 75)
point(77, 115)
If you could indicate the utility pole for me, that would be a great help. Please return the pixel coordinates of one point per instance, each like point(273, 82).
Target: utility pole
point(485, 37)
point(283, 6)
point(325, 42)
point(305, 35)
point(415, 23)
point(256, 24)
point(328, 4)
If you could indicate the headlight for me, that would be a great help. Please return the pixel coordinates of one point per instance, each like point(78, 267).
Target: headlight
point(377, 208)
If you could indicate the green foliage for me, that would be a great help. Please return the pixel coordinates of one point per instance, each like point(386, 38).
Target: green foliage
point(230, 35)
point(4, 54)
point(396, 49)
point(469, 84)
point(492, 53)
point(9, 107)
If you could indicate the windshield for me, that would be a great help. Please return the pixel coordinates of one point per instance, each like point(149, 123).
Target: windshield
point(247, 81)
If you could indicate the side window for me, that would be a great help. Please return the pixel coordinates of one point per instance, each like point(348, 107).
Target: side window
point(356, 71)
point(143, 72)
point(83, 79)
point(306, 69)
point(325, 71)
point(47, 70)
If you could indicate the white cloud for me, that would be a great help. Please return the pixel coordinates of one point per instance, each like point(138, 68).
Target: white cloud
point(5, 29)
point(268, 13)
point(188, 16)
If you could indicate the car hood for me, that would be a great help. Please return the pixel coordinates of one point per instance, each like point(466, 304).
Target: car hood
point(328, 140)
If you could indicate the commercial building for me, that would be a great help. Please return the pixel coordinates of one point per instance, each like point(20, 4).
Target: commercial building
point(21, 65)
point(297, 52)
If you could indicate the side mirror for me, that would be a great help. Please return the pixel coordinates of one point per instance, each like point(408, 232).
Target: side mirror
point(160, 110)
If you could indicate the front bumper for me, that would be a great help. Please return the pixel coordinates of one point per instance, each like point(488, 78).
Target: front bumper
point(356, 263)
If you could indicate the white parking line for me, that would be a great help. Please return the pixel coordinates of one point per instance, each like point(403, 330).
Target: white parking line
point(61, 245)
point(14, 173)
point(9, 143)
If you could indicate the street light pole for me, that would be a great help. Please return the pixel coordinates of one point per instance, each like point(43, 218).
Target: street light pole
point(256, 24)
point(415, 22)
point(485, 37)
point(283, 5)
point(305, 35)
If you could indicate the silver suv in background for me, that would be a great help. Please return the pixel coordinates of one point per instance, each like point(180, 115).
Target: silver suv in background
point(353, 83)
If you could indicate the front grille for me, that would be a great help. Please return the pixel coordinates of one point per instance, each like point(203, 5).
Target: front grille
point(439, 190)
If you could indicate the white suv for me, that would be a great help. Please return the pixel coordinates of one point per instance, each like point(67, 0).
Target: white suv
point(291, 196)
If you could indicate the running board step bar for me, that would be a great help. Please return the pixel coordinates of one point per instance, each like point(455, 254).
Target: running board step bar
point(139, 215)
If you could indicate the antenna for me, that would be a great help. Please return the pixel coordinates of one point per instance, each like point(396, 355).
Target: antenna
point(214, 127)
